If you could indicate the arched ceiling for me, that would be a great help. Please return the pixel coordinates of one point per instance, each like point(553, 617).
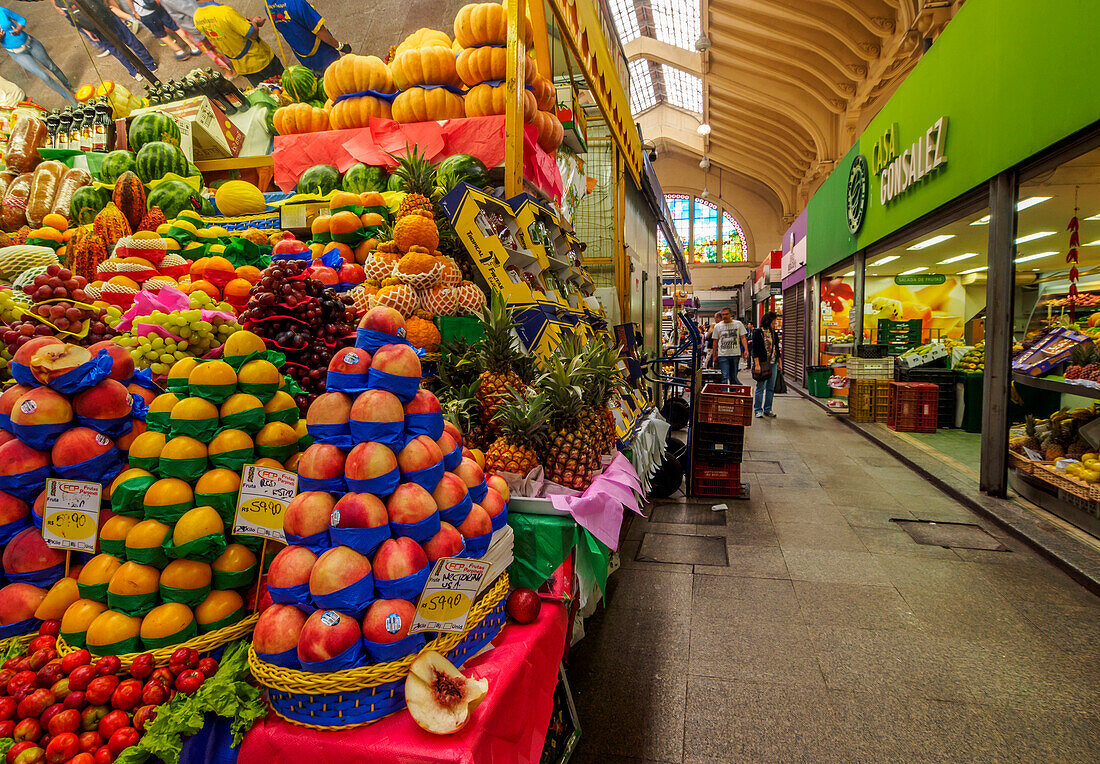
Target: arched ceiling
point(785, 86)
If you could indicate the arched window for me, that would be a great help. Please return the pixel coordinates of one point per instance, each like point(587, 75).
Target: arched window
point(713, 234)
point(733, 240)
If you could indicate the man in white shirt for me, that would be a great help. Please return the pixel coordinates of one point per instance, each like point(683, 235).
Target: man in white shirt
point(728, 338)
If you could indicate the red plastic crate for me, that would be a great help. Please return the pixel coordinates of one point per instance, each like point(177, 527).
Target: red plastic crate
point(717, 479)
point(914, 407)
point(726, 404)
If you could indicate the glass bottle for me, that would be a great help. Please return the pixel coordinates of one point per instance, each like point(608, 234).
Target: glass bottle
point(64, 123)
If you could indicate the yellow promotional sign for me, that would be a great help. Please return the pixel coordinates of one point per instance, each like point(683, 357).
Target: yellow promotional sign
point(262, 502)
point(70, 519)
point(448, 596)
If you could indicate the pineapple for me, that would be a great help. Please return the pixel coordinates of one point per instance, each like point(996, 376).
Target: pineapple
point(500, 354)
point(522, 423)
point(1032, 440)
point(1052, 443)
point(416, 177)
point(572, 452)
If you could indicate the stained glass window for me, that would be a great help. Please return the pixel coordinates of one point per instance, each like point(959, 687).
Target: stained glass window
point(705, 232)
point(715, 235)
point(733, 240)
point(680, 207)
point(663, 249)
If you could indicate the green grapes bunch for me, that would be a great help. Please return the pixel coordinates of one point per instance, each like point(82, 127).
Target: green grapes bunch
point(197, 337)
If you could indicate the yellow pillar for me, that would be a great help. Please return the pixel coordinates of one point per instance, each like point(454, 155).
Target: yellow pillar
point(621, 259)
point(514, 88)
point(537, 13)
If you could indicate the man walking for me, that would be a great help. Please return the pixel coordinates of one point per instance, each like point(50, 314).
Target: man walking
point(30, 54)
point(304, 30)
point(728, 338)
point(238, 39)
point(112, 17)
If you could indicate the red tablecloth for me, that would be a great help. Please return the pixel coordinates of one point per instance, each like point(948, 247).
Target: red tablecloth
point(509, 725)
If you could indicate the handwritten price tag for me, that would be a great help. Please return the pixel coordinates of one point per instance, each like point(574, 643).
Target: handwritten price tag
point(262, 502)
point(70, 519)
point(449, 595)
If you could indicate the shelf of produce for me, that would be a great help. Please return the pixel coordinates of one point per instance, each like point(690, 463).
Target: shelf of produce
point(1056, 385)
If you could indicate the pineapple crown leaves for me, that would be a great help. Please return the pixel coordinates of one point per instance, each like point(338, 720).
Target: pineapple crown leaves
point(562, 385)
point(460, 405)
point(522, 418)
point(415, 173)
point(499, 348)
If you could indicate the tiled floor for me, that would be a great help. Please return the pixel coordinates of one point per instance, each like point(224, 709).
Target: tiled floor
point(828, 634)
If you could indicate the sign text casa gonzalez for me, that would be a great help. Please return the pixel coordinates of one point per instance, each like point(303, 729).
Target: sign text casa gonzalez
point(900, 171)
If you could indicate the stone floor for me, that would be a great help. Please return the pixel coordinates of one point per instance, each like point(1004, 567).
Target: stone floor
point(804, 625)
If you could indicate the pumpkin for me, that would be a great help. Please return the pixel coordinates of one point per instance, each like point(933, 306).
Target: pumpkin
point(300, 118)
point(356, 112)
point(423, 38)
point(545, 95)
point(426, 105)
point(424, 66)
point(480, 24)
point(486, 99)
point(354, 74)
point(477, 65)
point(550, 131)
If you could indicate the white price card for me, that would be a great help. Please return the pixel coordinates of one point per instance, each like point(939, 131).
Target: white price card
point(70, 519)
point(449, 595)
point(262, 502)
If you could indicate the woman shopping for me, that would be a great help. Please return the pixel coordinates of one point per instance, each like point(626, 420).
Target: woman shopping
point(765, 364)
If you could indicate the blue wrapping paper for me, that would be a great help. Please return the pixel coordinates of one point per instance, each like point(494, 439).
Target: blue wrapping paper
point(477, 492)
point(477, 546)
point(40, 437)
point(22, 375)
point(5, 422)
point(99, 469)
point(317, 543)
point(407, 588)
point(8, 530)
point(424, 423)
point(352, 600)
point(144, 378)
point(453, 459)
point(138, 407)
point(427, 478)
point(25, 485)
point(338, 435)
point(420, 531)
point(345, 382)
point(286, 659)
point(19, 628)
point(36, 520)
point(363, 540)
point(380, 486)
point(44, 578)
point(457, 514)
point(370, 340)
point(292, 595)
point(389, 434)
point(383, 652)
point(335, 485)
point(403, 387)
point(85, 375)
point(500, 520)
point(350, 658)
point(113, 428)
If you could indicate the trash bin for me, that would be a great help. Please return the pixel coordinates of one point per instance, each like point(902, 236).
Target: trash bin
point(817, 381)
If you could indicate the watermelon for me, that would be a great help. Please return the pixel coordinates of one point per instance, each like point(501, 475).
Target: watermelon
point(461, 168)
point(173, 196)
point(153, 126)
point(206, 207)
point(299, 83)
point(116, 163)
point(360, 178)
point(393, 184)
point(157, 159)
point(87, 201)
point(319, 179)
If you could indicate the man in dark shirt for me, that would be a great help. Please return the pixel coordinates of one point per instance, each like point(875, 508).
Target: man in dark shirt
point(109, 17)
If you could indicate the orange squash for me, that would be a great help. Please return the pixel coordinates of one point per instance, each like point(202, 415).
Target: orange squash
point(550, 131)
point(424, 66)
point(423, 38)
point(427, 105)
point(354, 74)
point(356, 112)
point(477, 65)
point(300, 118)
point(545, 95)
point(479, 24)
point(485, 99)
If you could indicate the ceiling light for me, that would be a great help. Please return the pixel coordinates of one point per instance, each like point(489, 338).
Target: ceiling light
point(1026, 258)
point(974, 270)
point(1092, 244)
point(704, 164)
point(1034, 236)
point(1023, 204)
point(883, 261)
point(911, 271)
point(704, 194)
point(957, 258)
point(1094, 217)
point(702, 44)
point(849, 273)
point(703, 129)
point(933, 241)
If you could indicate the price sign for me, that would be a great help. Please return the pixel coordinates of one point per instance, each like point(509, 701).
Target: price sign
point(262, 502)
point(449, 594)
point(70, 519)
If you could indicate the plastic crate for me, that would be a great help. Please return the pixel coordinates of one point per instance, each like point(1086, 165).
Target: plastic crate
point(870, 368)
point(453, 328)
point(945, 380)
point(817, 381)
point(914, 407)
point(716, 479)
point(872, 351)
point(719, 442)
point(899, 335)
point(725, 404)
point(882, 400)
point(861, 400)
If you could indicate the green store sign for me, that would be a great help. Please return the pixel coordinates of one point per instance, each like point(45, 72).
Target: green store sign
point(920, 279)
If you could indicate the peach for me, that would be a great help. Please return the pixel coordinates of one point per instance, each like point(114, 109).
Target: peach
point(439, 697)
point(388, 621)
point(424, 402)
point(308, 513)
point(329, 408)
point(137, 428)
point(12, 509)
point(321, 462)
point(377, 406)
point(108, 400)
point(368, 460)
point(446, 543)
point(456, 434)
point(446, 443)
point(10, 396)
point(359, 510)
point(52, 361)
point(18, 602)
point(5, 436)
point(381, 319)
point(41, 406)
point(500, 485)
point(409, 504)
point(420, 453)
point(144, 393)
point(350, 361)
point(470, 473)
point(77, 445)
point(278, 629)
point(449, 491)
point(399, 360)
point(291, 567)
point(493, 503)
point(26, 351)
point(336, 569)
point(16, 457)
point(477, 523)
point(122, 365)
point(27, 553)
point(397, 558)
point(325, 635)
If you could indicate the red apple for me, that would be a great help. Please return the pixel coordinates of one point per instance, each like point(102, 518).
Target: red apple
point(90, 741)
point(100, 689)
point(123, 739)
point(127, 695)
point(91, 717)
point(62, 747)
point(523, 605)
point(107, 665)
point(76, 658)
point(142, 666)
point(81, 676)
point(143, 716)
point(27, 728)
point(189, 681)
point(66, 720)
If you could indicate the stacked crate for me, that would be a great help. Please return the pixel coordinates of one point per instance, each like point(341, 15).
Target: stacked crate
point(944, 380)
point(718, 440)
point(863, 396)
point(899, 336)
point(914, 407)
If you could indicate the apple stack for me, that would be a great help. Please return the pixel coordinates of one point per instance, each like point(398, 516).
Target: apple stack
point(387, 491)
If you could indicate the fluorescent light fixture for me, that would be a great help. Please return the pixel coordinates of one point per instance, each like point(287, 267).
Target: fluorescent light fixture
point(957, 258)
point(1034, 236)
point(974, 270)
point(911, 271)
point(1094, 217)
point(1027, 258)
point(884, 260)
point(1092, 244)
point(849, 273)
point(933, 241)
point(984, 220)
point(1023, 204)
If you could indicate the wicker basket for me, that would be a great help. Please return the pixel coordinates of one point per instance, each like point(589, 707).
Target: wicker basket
point(204, 643)
point(23, 640)
point(1051, 474)
point(360, 696)
point(1022, 464)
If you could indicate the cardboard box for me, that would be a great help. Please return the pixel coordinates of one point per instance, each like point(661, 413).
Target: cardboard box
point(205, 131)
point(573, 119)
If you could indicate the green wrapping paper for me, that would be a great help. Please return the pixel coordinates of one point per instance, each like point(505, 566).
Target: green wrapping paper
point(305, 442)
point(207, 549)
point(178, 386)
point(128, 498)
point(113, 547)
point(286, 416)
point(201, 430)
point(262, 390)
point(189, 631)
point(542, 542)
point(255, 543)
point(224, 503)
point(97, 592)
point(221, 623)
point(216, 394)
point(159, 421)
point(147, 555)
point(278, 453)
point(187, 470)
point(123, 646)
point(168, 513)
point(147, 463)
point(133, 604)
point(74, 638)
point(250, 421)
point(232, 460)
point(276, 358)
point(190, 597)
point(241, 579)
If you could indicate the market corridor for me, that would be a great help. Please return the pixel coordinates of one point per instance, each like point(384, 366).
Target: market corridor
point(804, 625)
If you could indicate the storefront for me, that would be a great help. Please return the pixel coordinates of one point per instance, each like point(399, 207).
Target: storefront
point(795, 288)
point(946, 230)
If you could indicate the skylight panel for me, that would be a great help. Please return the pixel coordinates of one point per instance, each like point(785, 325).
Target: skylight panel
point(625, 15)
point(675, 22)
point(643, 96)
point(682, 89)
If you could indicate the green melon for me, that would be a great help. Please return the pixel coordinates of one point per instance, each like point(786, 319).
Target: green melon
point(86, 203)
point(116, 163)
point(361, 178)
point(153, 126)
point(299, 83)
point(319, 179)
point(173, 196)
point(157, 159)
